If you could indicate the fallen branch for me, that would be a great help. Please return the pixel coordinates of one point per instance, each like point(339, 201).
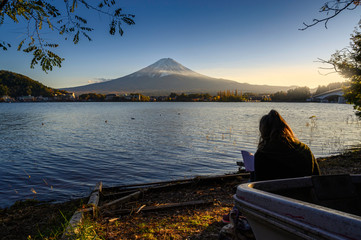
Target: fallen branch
point(177, 205)
point(163, 207)
point(115, 203)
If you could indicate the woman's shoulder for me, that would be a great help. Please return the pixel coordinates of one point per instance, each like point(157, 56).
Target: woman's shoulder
point(304, 150)
point(283, 147)
point(300, 145)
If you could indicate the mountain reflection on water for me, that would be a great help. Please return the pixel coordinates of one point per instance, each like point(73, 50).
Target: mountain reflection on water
point(57, 151)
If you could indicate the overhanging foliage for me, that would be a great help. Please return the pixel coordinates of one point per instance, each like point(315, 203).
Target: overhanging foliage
point(45, 15)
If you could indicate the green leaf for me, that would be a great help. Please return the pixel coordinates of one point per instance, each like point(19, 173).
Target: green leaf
point(112, 27)
point(120, 30)
point(76, 38)
point(21, 44)
point(40, 24)
point(30, 49)
point(49, 24)
point(75, 4)
point(81, 19)
point(87, 36)
point(4, 46)
point(128, 20)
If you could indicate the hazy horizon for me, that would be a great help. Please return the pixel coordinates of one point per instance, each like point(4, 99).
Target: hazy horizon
point(100, 80)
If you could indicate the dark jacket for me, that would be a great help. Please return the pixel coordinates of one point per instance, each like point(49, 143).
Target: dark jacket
point(284, 160)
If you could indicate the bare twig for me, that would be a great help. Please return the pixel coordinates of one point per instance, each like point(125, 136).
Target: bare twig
point(336, 9)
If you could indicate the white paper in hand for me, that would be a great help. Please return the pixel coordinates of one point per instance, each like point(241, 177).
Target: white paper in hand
point(248, 159)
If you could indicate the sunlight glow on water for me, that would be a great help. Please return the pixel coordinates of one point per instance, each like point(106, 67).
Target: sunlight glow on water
point(60, 150)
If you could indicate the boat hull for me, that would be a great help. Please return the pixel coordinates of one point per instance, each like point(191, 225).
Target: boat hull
point(317, 207)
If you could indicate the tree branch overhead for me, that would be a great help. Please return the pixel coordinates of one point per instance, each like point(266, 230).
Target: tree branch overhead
point(332, 9)
point(43, 15)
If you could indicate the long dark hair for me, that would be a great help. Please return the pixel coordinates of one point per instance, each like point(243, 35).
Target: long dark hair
point(274, 128)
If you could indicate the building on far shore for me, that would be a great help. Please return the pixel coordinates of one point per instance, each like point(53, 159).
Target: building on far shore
point(70, 96)
point(110, 97)
point(28, 98)
point(6, 99)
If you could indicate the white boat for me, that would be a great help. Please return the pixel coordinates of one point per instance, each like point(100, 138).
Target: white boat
point(317, 207)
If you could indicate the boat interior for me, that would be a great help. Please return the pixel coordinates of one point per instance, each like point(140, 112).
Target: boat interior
point(338, 192)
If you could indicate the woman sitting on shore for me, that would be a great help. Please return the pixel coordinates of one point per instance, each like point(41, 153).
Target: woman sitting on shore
point(280, 154)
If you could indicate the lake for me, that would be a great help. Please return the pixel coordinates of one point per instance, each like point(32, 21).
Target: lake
point(58, 151)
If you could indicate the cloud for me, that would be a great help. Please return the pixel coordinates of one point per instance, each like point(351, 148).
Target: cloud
point(98, 80)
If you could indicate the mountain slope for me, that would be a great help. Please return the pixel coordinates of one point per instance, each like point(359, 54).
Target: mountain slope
point(166, 76)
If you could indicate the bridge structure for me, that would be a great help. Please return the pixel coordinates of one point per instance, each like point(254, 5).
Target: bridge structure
point(332, 94)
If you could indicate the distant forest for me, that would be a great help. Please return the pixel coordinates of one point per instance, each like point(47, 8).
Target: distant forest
point(331, 86)
point(301, 94)
point(17, 85)
point(222, 96)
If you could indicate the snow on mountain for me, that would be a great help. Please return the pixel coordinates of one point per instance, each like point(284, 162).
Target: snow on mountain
point(166, 76)
point(164, 67)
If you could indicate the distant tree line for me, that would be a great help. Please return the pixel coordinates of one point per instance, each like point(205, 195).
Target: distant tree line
point(189, 97)
point(231, 96)
point(299, 94)
point(331, 86)
point(221, 96)
point(92, 97)
point(95, 97)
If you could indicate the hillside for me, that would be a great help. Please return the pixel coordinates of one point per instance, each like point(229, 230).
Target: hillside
point(16, 85)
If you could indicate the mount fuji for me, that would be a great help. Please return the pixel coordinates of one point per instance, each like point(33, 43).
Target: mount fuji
point(166, 76)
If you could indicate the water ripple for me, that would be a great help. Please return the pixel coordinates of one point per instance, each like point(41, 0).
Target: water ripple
point(60, 150)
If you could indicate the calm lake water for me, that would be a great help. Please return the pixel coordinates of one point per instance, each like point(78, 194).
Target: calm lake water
point(57, 151)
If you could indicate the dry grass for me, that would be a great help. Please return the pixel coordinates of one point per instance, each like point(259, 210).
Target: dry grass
point(201, 223)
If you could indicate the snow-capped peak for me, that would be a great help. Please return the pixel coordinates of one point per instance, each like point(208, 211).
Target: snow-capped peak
point(164, 67)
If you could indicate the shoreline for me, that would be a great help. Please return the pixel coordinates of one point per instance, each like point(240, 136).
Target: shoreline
point(41, 220)
point(348, 162)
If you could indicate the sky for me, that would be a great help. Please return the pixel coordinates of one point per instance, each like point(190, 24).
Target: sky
point(256, 42)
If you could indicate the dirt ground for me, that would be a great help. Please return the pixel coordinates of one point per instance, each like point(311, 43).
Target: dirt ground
point(201, 221)
point(36, 220)
point(346, 163)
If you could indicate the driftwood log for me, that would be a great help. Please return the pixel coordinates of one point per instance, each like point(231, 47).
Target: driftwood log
point(76, 219)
